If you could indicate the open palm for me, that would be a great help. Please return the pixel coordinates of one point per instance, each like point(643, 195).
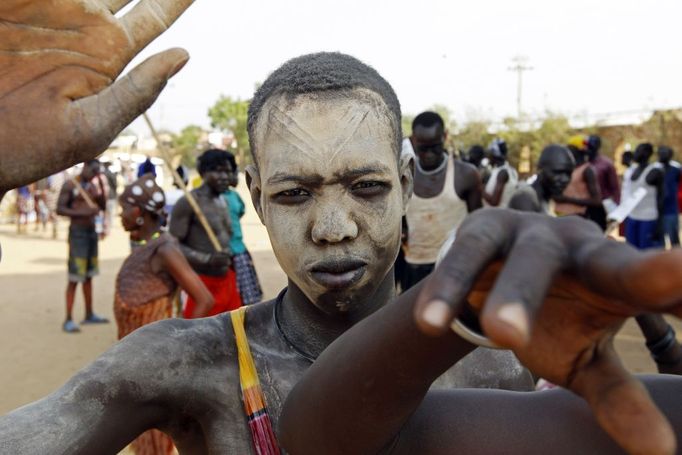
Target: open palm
point(60, 100)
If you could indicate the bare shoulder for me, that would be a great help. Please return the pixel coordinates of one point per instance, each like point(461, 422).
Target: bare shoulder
point(465, 169)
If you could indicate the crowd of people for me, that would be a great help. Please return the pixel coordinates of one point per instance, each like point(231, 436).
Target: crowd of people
point(337, 362)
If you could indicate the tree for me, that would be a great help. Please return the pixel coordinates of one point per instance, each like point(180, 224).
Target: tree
point(228, 114)
point(187, 144)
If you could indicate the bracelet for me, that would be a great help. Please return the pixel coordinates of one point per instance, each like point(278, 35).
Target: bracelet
point(467, 326)
point(662, 345)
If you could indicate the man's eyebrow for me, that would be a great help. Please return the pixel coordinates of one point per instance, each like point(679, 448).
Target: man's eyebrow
point(283, 177)
point(348, 174)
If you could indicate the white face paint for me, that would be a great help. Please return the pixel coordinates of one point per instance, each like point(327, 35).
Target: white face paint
point(331, 194)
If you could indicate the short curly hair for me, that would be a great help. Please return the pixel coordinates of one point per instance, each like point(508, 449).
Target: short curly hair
point(323, 72)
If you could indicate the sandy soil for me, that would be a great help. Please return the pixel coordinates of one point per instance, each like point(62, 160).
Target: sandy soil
point(37, 357)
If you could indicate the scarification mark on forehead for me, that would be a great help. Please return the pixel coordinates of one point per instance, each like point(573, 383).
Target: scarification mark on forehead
point(352, 119)
point(297, 136)
point(292, 132)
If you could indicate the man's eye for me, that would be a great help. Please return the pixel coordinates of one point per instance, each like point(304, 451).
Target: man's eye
point(292, 196)
point(369, 188)
point(294, 193)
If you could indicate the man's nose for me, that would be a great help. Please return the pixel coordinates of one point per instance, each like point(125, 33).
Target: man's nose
point(333, 224)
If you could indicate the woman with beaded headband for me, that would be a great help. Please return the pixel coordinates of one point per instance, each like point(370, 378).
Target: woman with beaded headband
point(148, 278)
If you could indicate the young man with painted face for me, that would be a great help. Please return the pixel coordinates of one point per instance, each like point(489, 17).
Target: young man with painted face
point(213, 267)
point(671, 185)
point(445, 190)
point(503, 178)
point(644, 225)
point(555, 167)
point(330, 188)
point(83, 239)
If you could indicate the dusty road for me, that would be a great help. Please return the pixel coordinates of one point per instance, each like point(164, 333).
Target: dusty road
point(36, 357)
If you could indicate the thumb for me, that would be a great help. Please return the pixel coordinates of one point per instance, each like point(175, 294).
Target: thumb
point(107, 113)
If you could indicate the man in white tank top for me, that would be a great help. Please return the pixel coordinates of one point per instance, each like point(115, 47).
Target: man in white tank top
point(445, 190)
point(643, 227)
point(503, 179)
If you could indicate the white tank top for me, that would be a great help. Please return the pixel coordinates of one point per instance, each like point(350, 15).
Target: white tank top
point(509, 187)
point(430, 220)
point(647, 209)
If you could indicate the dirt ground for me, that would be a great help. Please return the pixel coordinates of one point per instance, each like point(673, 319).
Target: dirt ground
point(37, 357)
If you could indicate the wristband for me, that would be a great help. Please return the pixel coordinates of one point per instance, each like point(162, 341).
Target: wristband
point(662, 345)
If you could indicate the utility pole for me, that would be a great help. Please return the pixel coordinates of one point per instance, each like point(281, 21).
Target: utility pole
point(520, 64)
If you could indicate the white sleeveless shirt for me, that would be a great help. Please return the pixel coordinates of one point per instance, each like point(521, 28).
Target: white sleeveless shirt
point(509, 187)
point(430, 220)
point(647, 209)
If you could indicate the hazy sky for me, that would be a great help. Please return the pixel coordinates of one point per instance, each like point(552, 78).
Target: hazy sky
point(588, 56)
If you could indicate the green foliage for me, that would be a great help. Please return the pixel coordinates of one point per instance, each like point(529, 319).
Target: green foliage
point(187, 144)
point(407, 124)
point(230, 114)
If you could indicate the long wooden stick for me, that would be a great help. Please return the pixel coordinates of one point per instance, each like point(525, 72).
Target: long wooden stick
point(165, 155)
point(86, 196)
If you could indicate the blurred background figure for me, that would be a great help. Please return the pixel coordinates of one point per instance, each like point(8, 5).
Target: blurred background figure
point(671, 186)
point(503, 178)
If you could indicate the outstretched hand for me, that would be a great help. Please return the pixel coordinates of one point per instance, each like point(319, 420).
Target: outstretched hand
point(60, 102)
point(558, 300)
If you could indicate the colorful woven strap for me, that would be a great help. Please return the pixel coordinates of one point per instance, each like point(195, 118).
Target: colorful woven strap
point(264, 440)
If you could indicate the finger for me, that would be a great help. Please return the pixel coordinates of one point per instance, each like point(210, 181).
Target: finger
point(623, 407)
point(104, 115)
point(149, 18)
point(656, 279)
point(520, 288)
point(115, 5)
point(477, 244)
point(646, 280)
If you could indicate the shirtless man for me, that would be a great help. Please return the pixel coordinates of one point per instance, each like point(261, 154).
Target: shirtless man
point(180, 375)
point(555, 167)
point(213, 267)
point(330, 188)
point(503, 178)
point(83, 239)
point(582, 192)
point(445, 190)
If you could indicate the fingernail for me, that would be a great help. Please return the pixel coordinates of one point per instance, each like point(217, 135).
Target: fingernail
point(436, 313)
point(515, 316)
point(178, 66)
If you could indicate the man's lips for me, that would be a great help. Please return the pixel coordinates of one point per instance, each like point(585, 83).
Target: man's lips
point(338, 273)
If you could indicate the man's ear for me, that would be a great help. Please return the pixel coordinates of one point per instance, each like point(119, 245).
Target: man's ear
point(406, 169)
point(253, 182)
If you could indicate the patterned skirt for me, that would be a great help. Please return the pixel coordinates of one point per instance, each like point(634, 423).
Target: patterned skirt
point(129, 318)
point(247, 279)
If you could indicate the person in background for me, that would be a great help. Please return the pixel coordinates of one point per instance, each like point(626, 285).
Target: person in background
point(607, 179)
point(247, 278)
point(644, 224)
point(503, 177)
point(148, 278)
point(583, 190)
point(83, 262)
point(147, 167)
point(213, 267)
point(671, 185)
